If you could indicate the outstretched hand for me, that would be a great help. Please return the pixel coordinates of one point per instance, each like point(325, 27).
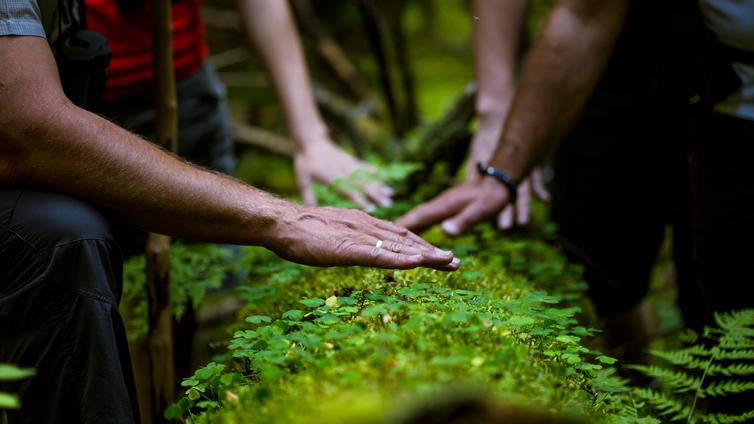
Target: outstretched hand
point(520, 213)
point(345, 237)
point(324, 162)
point(459, 208)
point(482, 147)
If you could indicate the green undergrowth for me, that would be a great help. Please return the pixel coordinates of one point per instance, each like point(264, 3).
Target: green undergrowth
point(10, 372)
point(717, 364)
point(365, 345)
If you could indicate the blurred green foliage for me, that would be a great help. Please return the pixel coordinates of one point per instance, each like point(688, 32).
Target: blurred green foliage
point(9, 372)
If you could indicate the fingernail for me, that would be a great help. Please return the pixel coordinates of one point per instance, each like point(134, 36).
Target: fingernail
point(387, 203)
point(443, 252)
point(455, 262)
point(370, 208)
point(450, 228)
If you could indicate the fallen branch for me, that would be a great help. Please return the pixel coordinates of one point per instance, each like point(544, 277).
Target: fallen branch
point(329, 50)
point(257, 137)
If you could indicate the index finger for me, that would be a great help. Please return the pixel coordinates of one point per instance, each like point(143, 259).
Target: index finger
point(383, 258)
point(427, 214)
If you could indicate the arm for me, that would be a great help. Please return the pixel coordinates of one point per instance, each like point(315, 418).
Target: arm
point(498, 28)
point(270, 28)
point(564, 66)
point(48, 142)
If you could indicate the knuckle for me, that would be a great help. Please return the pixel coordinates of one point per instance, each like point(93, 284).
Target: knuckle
point(343, 245)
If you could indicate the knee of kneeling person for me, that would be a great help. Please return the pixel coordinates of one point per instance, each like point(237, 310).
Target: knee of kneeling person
point(47, 220)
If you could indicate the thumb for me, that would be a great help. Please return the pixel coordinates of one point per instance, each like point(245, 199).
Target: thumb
point(305, 188)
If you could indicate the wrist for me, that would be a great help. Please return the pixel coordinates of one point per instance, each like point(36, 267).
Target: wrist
point(493, 107)
point(311, 137)
point(508, 157)
point(502, 177)
point(270, 223)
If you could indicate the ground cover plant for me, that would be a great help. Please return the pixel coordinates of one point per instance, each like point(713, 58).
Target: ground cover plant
point(347, 345)
point(368, 345)
point(717, 364)
point(9, 372)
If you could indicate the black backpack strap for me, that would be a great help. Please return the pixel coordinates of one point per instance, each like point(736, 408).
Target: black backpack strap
point(82, 57)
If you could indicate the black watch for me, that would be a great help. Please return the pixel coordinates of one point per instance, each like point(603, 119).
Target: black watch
point(503, 178)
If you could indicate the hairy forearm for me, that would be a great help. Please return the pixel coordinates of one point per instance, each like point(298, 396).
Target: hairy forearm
point(271, 29)
point(48, 142)
point(497, 29)
point(563, 67)
point(86, 156)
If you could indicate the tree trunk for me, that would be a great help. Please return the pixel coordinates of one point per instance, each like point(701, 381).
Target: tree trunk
point(160, 375)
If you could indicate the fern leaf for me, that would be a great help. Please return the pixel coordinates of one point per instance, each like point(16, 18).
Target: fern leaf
point(731, 370)
point(722, 388)
point(719, 418)
point(735, 341)
point(737, 322)
point(735, 354)
point(666, 405)
point(679, 381)
point(675, 357)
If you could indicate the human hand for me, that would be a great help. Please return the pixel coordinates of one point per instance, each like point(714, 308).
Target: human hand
point(520, 213)
point(482, 147)
point(345, 237)
point(459, 208)
point(325, 162)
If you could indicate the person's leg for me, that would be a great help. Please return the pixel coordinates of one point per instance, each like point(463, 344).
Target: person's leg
point(723, 194)
point(204, 126)
point(722, 165)
point(612, 196)
point(60, 284)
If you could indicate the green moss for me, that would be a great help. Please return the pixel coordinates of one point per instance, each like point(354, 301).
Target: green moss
point(361, 345)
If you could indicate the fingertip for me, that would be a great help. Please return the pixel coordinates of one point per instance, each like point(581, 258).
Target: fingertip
point(452, 266)
point(405, 221)
point(505, 220)
point(437, 257)
point(309, 199)
point(443, 253)
point(451, 228)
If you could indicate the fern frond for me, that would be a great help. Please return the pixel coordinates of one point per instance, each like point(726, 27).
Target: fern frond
point(737, 322)
point(722, 388)
point(739, 368)
point(741, 354)
point(735, 341)
point(678, 381)
point(666, 405)
point(675, 357)
point(719, 418)
point(681, 358)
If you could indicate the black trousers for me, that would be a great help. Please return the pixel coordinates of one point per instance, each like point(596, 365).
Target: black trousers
point(621, 177)
point(60, 283)
point(722, 181)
